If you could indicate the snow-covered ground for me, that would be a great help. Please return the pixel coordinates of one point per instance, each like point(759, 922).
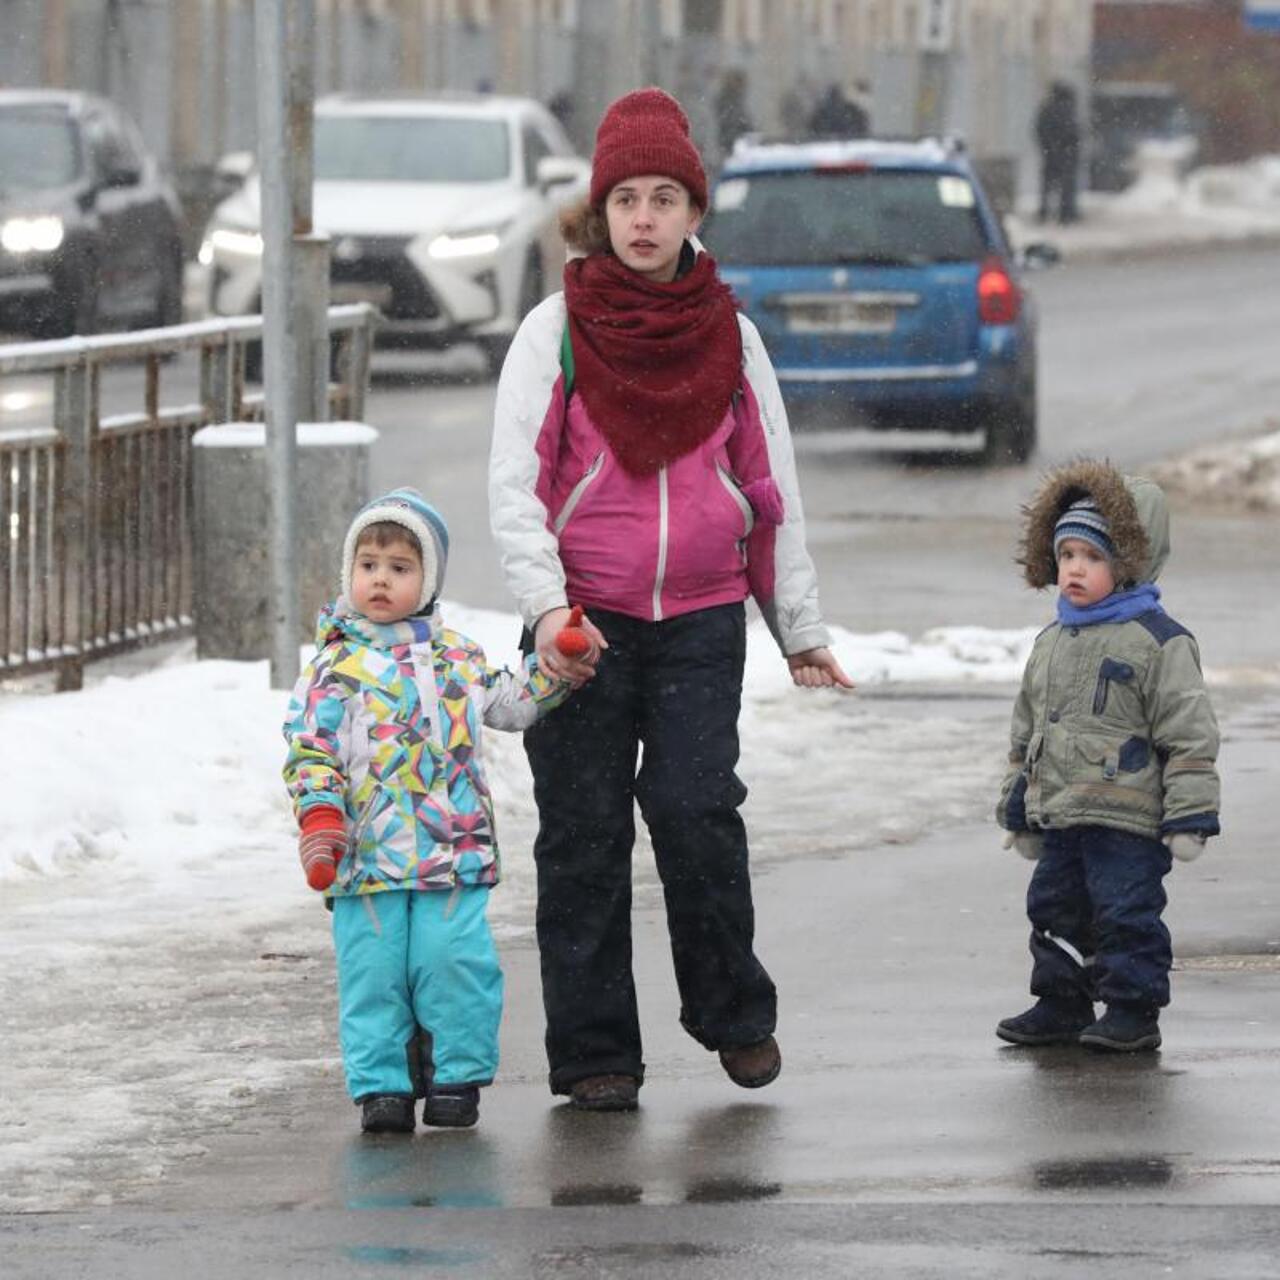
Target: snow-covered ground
point(1167, 209)
point(164, 962)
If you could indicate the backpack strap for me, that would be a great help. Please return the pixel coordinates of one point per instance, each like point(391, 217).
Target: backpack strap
point(566, 360)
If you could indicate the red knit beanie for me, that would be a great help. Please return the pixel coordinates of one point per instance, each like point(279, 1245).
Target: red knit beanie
point(646, 132)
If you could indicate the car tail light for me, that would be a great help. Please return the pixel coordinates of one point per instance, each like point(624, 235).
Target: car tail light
point(998, 296)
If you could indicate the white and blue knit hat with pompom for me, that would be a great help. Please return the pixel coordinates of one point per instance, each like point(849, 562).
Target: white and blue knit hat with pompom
point(1083, 520)
point(408, 508)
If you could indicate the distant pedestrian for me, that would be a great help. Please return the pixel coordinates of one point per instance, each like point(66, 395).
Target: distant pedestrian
point(1112, 767)
point(561, 105)
point(796, 107)
point(387, 779)
point(1057, 133)
point(733, 117)
point(838, 116)
point(642, 466)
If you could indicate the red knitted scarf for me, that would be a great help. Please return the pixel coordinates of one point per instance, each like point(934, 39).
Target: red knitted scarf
point(657, 364)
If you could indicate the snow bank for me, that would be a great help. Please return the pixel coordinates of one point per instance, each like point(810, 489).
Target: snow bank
point(170, 769)
point(1237, 474)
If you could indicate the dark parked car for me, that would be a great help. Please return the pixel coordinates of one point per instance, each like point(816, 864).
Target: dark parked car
point(89, 232)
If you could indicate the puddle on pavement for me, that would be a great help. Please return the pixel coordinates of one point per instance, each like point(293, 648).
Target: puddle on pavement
point(596, 1193)
point(730, 1191)
point(391, 1256)
point(613, 1255)
point(1123, 1173)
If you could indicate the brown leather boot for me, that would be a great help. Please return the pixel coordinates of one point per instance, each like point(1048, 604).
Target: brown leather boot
point(753, 1065)
point(605, 1093)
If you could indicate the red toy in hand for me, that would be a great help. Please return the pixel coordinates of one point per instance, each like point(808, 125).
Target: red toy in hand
point(571, 639)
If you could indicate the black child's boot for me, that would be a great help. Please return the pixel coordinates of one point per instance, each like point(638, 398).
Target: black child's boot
point(1051, 1020)
point(1123, 1029)
point(452, 1106)
point(386, 1113)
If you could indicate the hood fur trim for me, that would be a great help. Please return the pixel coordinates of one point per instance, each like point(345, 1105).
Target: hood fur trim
point(1065, 485)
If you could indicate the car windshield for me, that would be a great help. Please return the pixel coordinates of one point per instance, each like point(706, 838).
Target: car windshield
point(811, 218)
point(411, 149)
point(37, 150)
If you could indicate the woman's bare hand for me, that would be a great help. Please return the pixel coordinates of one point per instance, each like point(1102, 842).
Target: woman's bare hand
point(818, 669)
point(556, 665)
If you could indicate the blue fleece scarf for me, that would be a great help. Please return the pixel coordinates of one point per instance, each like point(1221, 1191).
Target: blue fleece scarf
point(1119, 606)
point(340, 616)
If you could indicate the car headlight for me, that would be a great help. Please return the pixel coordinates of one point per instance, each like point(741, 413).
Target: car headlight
point(466, 244)
point(31, 235)
point(245, 244)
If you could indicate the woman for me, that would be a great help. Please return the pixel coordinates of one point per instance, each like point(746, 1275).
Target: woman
point(642, 467)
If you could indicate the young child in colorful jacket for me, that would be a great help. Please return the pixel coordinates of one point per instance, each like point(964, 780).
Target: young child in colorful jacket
point(1112, 766)
point(384, 767)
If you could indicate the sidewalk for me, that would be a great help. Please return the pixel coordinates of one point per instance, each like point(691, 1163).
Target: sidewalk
point(1163, 213)
point(902, 1137)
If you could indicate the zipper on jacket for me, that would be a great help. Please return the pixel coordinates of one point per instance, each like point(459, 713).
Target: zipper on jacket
point(575, 494)
point(662, 544)
point(748, 515)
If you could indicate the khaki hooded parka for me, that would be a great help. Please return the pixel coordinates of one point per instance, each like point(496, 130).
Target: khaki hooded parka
point(1112, 726)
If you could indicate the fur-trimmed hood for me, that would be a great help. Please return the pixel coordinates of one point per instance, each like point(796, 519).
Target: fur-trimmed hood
point(1135, 509)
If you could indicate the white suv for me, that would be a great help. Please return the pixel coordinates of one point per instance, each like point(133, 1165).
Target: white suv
point(441, 209)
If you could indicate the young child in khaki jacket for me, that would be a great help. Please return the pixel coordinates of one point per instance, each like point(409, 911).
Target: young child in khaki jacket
point(1111, 767)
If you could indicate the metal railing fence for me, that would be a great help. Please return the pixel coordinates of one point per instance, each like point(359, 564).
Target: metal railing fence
point(96, 512)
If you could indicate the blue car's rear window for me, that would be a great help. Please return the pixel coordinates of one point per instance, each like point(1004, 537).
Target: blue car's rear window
point(813, 217)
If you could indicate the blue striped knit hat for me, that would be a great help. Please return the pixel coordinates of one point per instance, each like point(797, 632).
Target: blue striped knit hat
point(1083, 520)
point(406, 507)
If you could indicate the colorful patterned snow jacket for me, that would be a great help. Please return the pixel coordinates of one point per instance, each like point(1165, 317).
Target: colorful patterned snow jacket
point(716, 525)
point(385, 726)
point(1113, 726)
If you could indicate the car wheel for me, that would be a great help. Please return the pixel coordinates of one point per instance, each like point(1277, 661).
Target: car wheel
point(76, 309)
point(253, 360)
point(530, 285)
point(169, 309)
point(496, 345)
point(1011, 431)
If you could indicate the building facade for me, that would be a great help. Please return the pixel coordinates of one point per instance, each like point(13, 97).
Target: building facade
point(185, 68)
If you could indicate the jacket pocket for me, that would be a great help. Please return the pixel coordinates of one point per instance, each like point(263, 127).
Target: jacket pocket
point(739, 498)
point(575, 494)
point(1110, 671)
point(1035, 749)
point(1120, 774)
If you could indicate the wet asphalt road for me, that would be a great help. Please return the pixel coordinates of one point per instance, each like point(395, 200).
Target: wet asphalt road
point(902, 1138)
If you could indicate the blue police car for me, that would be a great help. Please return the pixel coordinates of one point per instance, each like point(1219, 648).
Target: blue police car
point(880, 278)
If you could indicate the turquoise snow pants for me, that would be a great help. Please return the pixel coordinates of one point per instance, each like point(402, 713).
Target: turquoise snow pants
point(411, 960)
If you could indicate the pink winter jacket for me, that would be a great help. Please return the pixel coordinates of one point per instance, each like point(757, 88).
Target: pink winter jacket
point(719, 523)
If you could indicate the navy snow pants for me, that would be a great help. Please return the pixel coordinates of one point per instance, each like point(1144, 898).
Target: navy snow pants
point(1095, 902)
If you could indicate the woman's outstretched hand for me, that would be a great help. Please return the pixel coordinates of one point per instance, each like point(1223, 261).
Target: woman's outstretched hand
point(558, 665)
point(818, 669)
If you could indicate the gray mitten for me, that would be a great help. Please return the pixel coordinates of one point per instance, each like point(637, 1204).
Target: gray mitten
point(1029, 844)
point(1186, 846)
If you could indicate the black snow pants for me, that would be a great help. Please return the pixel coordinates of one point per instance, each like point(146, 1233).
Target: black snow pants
point(673, 688)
